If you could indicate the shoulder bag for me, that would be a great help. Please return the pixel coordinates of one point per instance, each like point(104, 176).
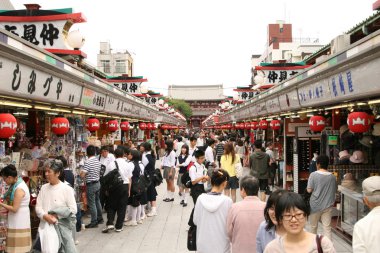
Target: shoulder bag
point(238, 168)
point(192, 238)
point(319, 243)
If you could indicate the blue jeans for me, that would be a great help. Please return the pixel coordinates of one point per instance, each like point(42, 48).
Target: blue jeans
point(93, 191)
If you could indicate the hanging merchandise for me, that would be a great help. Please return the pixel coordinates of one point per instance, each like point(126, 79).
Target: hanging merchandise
point(254, 125)
point(263, 124)
point(113, 125)
point(142, 126)
point(275, 124)
point(124, 125)
point(60, 126)
point(8, 125)
point(358, 122)
point(92, 124)
point(317, 123)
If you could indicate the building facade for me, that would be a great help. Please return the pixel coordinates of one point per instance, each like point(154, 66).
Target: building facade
point(204, 99)
point(114, 62)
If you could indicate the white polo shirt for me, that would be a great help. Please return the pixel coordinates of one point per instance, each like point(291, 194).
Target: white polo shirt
point(196, 171)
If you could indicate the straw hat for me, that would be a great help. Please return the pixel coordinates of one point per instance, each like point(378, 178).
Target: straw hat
point(357, 157)
point(344, 155)
point(376, 130)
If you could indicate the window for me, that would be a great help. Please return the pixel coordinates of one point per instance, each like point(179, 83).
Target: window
point(105, 65)
point(120, 66)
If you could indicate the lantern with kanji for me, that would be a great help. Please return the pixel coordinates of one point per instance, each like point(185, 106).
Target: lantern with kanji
point(60, 126)
point(92, 124)
point(124, 125)
point(8, 125)
point(142, 126)
point(112, 125)
point(358, 122)
point(275, 124)
point(247, 125)
point(254, 125)
point(317, 123)
point(263, 125)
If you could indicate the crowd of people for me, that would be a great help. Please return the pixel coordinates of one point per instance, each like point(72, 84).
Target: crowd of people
point(122, 182)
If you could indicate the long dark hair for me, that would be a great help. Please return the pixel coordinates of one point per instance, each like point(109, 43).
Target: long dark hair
point(148, 148)
point(185, 147)
point(169, 147)
point(229, 150)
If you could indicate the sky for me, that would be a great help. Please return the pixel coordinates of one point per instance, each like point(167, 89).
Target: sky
point(199, 42)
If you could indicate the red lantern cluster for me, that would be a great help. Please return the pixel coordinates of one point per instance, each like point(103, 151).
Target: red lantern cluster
point(60, 126)
point(92, 124)
point(164, 127)
point(113, 125)
point(8, 125)
point(254, 125)
point(124, 126)
point(142, 126)
point(317, 123)
point(263, 125)
point(358, 122)
point(275, 124)
point(247, 126)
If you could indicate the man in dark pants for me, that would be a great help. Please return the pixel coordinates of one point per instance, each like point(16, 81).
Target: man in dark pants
point(198, 176)
point(259, 166)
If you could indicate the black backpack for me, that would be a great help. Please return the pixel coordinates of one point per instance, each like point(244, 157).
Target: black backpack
point(157, 177)
point(140, 183)
point(113, 180)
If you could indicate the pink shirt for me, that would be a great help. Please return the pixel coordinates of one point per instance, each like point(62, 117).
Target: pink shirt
point(243, 221)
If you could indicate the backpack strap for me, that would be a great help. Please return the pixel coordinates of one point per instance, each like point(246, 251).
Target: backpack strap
point(319, 243)
point(117, 166)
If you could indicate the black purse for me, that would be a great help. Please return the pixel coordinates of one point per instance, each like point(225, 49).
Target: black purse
point(192, 238)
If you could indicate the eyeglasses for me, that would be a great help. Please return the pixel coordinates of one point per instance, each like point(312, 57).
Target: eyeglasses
point(289, 217)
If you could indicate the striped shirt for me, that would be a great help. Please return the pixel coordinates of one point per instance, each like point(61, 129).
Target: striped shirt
point(92, 169)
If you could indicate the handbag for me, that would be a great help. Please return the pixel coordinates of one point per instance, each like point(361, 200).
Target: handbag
point(319, 243)
point(192, 238)
point(238, 169)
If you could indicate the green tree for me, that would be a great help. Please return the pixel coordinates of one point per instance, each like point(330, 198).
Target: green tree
point(182, 106)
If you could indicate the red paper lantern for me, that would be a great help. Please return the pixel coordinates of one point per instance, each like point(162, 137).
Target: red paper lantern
point(247, 125)
point(164, 127)
point(317, 123)
point(275, 124)
point(263, 125)
point(124, 125)
point(358, 122)
point(60, 126)
point(148, 126)
point(92, 124)
point(153, 126)
point(254, 125)
point(113, 125)
point(8, 125)
point(239, 125)
point(142, 126)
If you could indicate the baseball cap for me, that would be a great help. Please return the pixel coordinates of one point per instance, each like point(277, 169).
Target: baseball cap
point(371, 186)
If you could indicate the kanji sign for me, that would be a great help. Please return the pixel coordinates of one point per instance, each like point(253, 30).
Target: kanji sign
point(114, 105)
point(315, 93)
point(92, 99)
point(276, 75)
point(133, 88)
point(25, 81)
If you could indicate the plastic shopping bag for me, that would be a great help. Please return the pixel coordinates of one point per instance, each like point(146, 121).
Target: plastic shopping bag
point(49, 238)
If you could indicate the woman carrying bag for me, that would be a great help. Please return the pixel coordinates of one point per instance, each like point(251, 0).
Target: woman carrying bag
point(230, 161)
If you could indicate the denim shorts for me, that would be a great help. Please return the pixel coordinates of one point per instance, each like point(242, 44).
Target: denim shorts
point(233, 183)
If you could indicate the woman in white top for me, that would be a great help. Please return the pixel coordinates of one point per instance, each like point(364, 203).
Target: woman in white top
point(17, 204)
point(53, 195)
point(168, 165)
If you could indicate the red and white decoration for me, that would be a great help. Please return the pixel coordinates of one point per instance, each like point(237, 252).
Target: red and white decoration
point(142, 126)
point(92, 124)
point(124, 125)
point(317, 123)
point(358, 122)
point(60, 126)
point(275, 124)
point(247, 126)
point(254, 125)
point(113, 125)
point(164, 127)
point(263, 125)
point(8, 125)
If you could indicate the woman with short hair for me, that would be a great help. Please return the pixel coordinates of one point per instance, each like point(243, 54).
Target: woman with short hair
point(17, 204)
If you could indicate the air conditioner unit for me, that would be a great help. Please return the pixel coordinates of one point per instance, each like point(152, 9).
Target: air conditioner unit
point(340, 43)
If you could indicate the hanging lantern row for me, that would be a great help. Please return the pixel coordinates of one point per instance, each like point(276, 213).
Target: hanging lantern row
point(60, 126)
point(359, 122)
point(317, 123)
point(124, 126)
point(8, 125)
point(92, 124)
point(275, 124)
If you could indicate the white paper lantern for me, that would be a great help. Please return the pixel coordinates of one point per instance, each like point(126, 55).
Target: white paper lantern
point(75, 39)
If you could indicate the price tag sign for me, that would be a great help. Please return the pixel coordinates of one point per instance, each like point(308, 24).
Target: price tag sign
point(333, 140)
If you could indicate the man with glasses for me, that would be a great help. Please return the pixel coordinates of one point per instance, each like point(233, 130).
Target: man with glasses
point(322, 186)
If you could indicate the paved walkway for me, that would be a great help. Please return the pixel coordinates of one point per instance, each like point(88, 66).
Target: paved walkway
point(164, 233)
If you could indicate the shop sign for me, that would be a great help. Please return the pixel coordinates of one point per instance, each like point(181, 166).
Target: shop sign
point(151, 100)
point(92, 99)
point(289, 101)
point(246, 95)
point(261, 108)
point(46, 34)
point(19, 80)
point(273, 105)
point(314, 94)
point(133, 88)
point(114, 105)
point(305, 132)
point(276, 75)
point(333, 140)
point(359, 81)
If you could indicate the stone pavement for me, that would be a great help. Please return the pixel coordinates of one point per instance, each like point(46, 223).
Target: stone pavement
point(166, 232)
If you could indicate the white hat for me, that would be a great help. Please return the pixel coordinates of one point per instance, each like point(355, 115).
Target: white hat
point(357, 157)
point(371, 186)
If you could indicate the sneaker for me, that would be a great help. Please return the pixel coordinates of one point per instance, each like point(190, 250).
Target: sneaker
point(100, 221)
point(76, 242)
point(184, 205)
point(127, 219)
point(182, 202)
point(180, 194)
point(108, 228)
point(91, 225)
point(119, 230)
point(166, 200)
point(143, 217)
point(170, 200)
point(131, 223)
point(151, 214)
point(140, 222)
